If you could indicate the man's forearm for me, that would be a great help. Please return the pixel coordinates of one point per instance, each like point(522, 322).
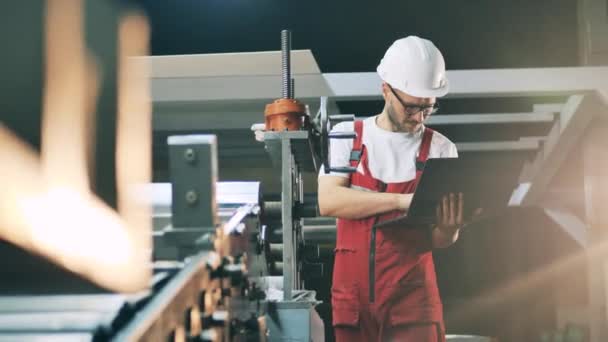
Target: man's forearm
point(349, 203)
point(442, 238)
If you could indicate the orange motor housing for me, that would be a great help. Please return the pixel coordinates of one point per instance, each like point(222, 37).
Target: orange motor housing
point(284, 115)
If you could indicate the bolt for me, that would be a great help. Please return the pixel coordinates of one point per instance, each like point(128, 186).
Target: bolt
point(191, 197)
point(190, 155)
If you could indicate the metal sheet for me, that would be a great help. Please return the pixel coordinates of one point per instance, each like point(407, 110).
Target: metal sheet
point(231, 88)
point(193, 168)
point(497, 146)
point(46, 337)
point(595, 164)
point(289, 262)
point(578, 113)
point(548, 107)
point(227, 193)
point(367, 85)
point(300, 147)
point(295, 321)
point(482, 83)
point(81, 321)
point(467, 338)
point(570, 223)
point(229, 196)
point(235, 224)
point(72, 303)
point(490, 118)
point(238, 192)
point(228, 64)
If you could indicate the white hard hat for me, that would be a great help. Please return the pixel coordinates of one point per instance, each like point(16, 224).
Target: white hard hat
point(414, 66)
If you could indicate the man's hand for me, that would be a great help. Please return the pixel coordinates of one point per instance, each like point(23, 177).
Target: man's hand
point(449, 220)
point(450, 213)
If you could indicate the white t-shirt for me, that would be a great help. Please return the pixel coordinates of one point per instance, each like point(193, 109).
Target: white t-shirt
point(391, 155)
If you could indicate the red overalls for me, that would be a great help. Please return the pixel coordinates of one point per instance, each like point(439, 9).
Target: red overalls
point(384, 285)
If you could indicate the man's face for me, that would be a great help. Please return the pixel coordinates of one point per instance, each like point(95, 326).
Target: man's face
point(407, 113)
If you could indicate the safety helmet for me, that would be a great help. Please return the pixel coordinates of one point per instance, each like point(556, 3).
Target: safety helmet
point(415, 66)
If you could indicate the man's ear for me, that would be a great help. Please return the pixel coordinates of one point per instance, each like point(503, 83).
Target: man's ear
point(385, 90)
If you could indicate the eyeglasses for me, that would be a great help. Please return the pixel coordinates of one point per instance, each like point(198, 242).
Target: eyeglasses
point(413, 109)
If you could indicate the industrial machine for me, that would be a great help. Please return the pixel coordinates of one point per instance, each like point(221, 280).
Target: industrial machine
point(277, 245)
point(212, 261)
point(200, 289)
point(226, 264)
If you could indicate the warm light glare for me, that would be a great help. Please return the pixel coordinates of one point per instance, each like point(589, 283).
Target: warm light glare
point(64, 121)
point(104, 239)
point(69, 227)
point(534, 280)
point(134, 129)
point(46, 205)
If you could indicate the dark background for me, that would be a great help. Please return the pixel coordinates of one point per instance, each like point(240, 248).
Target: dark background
point(349, 36)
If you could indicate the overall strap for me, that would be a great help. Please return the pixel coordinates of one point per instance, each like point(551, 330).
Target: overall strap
point(357, 151)
point(358, 155)
point(425, 147)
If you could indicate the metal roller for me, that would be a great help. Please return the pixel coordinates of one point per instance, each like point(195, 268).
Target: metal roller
point(321, 234)
point(277, 268)
point(272, 210)
point(276, 251)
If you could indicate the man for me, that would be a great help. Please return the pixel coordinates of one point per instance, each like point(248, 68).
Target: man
point(384, 285)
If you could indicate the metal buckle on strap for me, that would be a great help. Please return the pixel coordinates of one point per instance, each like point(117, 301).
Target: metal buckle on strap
point(355, 155)
point(420, 165)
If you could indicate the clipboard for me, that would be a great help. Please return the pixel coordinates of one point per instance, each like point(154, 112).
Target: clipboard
point(451, 175)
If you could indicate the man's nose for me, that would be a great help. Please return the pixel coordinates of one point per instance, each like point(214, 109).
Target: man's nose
point(418, 117)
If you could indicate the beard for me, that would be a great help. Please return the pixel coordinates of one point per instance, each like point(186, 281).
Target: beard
point(400, 126)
